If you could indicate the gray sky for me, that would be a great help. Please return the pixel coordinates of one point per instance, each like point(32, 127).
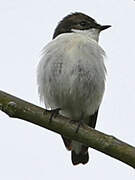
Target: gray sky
point(29, 152)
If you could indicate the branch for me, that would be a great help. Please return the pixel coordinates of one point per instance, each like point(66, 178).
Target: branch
point(109, 145)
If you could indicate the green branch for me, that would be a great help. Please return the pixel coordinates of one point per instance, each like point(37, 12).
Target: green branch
point(109, 145)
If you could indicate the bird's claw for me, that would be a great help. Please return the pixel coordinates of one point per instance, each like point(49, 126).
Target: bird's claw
point(79, 123)
point(54, 114)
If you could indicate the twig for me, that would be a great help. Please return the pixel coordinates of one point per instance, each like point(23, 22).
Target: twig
point(109, 145)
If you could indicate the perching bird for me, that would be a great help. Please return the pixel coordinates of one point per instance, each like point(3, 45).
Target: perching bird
point(71, 75)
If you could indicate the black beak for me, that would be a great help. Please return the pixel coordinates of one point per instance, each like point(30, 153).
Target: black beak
point(104, 27)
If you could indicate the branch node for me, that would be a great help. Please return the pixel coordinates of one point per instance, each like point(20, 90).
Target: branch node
point(10, 109)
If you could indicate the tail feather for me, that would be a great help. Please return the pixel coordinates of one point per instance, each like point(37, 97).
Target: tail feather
point(79, 158)
point(79, 151)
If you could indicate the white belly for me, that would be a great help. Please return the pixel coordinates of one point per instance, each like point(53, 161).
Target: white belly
point(71, 75)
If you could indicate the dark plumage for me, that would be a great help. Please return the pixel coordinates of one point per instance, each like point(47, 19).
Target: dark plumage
point(75, 20)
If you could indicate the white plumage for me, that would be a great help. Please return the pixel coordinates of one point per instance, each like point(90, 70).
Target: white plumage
point(71, 74)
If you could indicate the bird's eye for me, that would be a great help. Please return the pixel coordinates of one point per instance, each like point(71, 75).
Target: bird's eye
point(83, 23)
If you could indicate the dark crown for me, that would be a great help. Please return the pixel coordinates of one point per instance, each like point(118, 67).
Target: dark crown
point(71, 21)
point(77, 21)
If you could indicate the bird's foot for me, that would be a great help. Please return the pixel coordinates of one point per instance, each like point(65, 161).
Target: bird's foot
point(79, 123)
point(54, 113)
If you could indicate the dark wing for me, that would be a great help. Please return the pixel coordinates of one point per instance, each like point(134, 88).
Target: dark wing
point(93, 119)
point(67, 142)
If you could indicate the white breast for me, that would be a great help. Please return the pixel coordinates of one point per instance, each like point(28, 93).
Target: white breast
point(71, 75)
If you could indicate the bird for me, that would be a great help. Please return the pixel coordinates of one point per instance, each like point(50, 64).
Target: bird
point(71, 75)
